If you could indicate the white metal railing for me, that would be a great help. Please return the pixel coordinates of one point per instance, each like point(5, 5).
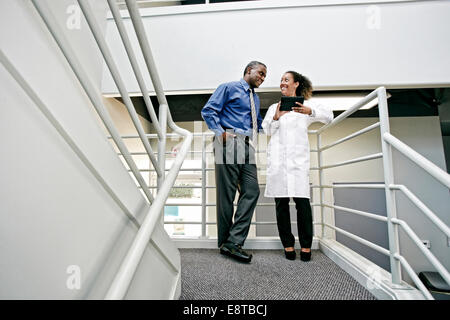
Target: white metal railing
point(388, 141)
point(129, 265)
point(206, 137)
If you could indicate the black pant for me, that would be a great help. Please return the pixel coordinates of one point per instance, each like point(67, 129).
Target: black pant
point(235, 169)
point(304, 222)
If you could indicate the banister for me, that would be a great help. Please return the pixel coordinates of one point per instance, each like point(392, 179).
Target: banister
point(419, 204)
point(89, 88)
point(431, 258)
point(351, 110)
point(351, 161)
point(413, 276)
point(351, 136)
point(129, 265)
point(131, 56)
point(123, 278)
point(439, 174)
point(95, 29)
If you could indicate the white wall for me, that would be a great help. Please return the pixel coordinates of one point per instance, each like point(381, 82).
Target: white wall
point(362, 44)
point(54, 213)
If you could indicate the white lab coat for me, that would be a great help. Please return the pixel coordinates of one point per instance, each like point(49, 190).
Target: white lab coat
point(288, 150)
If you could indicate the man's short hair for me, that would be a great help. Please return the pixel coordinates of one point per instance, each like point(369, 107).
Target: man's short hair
point(252, 65)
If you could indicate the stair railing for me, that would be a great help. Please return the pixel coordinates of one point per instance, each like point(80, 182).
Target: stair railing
point(388, 142)
point(124, 276)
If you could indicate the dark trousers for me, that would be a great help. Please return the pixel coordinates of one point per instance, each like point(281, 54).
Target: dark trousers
point(304, 222)
point(235, 169)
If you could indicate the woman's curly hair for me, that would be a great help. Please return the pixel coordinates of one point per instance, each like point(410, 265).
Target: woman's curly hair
point(305, 88)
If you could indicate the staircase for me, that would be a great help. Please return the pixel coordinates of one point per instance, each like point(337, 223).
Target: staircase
point(151, 247)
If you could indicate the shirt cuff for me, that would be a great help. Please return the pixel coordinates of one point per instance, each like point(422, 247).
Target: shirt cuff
point(313, 113)
point(275, 124)
point(218, 132)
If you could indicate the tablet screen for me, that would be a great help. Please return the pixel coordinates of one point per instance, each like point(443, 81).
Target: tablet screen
point(288, 102)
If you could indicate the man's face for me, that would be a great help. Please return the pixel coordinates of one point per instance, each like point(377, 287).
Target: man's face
point(257, 76)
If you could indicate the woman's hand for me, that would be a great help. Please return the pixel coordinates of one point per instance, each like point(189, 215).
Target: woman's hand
point(302, 109)
point(279, 113)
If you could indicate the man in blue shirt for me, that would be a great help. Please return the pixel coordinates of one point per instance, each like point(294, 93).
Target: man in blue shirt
point(233, 114)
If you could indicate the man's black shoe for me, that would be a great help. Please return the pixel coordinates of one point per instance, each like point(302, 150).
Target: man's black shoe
point(235, 251)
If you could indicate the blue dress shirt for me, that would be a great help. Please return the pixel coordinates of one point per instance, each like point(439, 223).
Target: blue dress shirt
point(229, 107)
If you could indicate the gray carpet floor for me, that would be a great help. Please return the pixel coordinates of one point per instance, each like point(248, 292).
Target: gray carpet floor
point(208, 275)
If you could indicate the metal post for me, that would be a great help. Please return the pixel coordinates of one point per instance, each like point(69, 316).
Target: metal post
point(203, 186)
point(396, 271)
point(321, 190)
point(162, 148)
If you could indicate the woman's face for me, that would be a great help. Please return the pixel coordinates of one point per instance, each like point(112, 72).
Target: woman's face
point(288, 85)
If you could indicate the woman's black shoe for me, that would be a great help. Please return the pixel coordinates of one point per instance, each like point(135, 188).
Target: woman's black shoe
point(305, 256)
point(290, 255)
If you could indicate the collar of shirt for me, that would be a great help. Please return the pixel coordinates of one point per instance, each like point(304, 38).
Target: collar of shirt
point(245, 85)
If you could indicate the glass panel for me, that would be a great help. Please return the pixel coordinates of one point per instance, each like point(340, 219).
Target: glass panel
point(187, 230)
point(189, 198)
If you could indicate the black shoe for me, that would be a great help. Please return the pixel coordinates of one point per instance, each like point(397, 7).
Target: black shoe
point(305, 256)
point(290, 255)
point(235, 251)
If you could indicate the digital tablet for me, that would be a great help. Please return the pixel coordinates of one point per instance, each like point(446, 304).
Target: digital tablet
point(288, 102)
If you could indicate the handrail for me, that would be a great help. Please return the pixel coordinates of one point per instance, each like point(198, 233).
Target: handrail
point(351, 136)
point(101, 42)
point(89, 88)
point(359, 239)
point(352, 185)
point(129, 265)
point(439, 174)
point(419, 204)
point(350, 111)
point(133, 61)
point(387, 142)
point(431, 258)
point(66, 136)
point(414, 276)
point(351, 161)
point(131, 261)
point(358, 212)
point(69, 140)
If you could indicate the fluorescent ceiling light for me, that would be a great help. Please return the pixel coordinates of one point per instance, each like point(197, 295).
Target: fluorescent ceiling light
point(338, 102)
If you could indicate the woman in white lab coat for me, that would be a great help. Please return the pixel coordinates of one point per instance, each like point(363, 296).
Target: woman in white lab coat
point(288, 161)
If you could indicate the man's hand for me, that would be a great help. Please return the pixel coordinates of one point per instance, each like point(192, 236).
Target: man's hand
point(279, 113)
point(227, 135)
point(302, 109)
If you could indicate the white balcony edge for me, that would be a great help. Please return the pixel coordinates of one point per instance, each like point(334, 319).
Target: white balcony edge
point(256, 5)
point(374, 278)
point(268, 243)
